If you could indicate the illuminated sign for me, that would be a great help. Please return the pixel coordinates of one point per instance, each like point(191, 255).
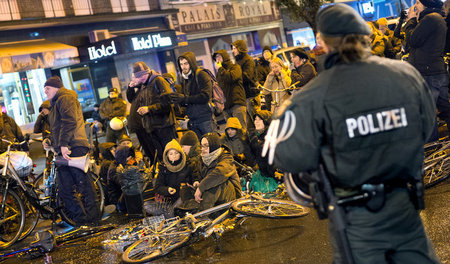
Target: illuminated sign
point(102, 51)
point(150, 42)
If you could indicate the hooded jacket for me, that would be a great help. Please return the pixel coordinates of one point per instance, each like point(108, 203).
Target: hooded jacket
point(262, 70)
point(42, 125)
point(152, 94)
point(426, 40)
point(197, 90)
point(239, 144)
point(229, 77)
point(112, 107)
point(11, 131)
point(219, 172)
point(66, 121)
point(171, 175)
point(248, 69)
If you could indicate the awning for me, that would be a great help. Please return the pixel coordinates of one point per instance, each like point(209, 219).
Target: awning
point(35, 54)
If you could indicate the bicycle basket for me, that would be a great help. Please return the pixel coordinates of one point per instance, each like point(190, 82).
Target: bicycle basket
point(20, 161)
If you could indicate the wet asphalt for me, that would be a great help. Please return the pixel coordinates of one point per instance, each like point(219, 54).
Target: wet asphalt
point(253, 240)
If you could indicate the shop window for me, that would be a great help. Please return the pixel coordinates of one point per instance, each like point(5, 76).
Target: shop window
point(142, 5)
point(53, 8)
point(82, 84)
point(119, 6)
point(82, 7)
point(9, 10)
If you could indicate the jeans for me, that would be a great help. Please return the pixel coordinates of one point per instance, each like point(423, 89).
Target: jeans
point(201, 128)
point(87, 210)
point(438, 85)
point(240, 112)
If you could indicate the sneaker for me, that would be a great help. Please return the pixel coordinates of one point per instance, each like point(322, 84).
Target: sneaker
point(108, 210)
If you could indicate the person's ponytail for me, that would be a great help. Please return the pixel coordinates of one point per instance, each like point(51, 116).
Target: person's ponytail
point(351, 48)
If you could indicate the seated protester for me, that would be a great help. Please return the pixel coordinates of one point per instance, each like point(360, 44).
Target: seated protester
point(277, 79)
point(125, 182)
point(125, 140)
point(263, 180)
point(191, 147)
point(237, 141)
point(42, 125)
point(107, 152)
point(172, 172)
point(218, 182)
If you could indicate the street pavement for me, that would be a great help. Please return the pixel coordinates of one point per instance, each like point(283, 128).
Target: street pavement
point(255, 240)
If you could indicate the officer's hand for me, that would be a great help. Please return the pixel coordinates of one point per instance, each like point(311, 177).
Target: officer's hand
point(65, 152)
point(172, 191)
point(143, 110)
point(198, 195)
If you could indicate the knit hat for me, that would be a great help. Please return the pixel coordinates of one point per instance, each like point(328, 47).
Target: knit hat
point(340, 20)
point(382, 21)
point(233, 122)
point(54, 81)
point(301, 53)
point(267, 48)
point(432, 3)
point(122, 153)
point(124, 137)
point(140, 69)
point(177, 166)
point(111, 90)
point(265, 115)
point(189, 139)
point(240, 46)
point(213, 141)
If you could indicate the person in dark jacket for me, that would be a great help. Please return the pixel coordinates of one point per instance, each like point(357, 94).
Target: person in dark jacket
point(42, 125)
point(229, 77)
point(262, 70)
point(425, 34)
point(237, 141)
point(218, 182)
point(111, 107)
point(191, 147)
point(10, 131)
point(197, 93)
point(151, 114)
point(249, 80)
point(354, 128)
point(68, 139)
point(98, 120)
point(303, 70)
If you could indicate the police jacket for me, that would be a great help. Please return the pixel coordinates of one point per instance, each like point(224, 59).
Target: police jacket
point(151, 94)
point(426, 40)
point(66, 121)
point(359, 129)
point(303, 74)
point(229, 77)
point(197, 91)
point(112, 107)
point(10, 131)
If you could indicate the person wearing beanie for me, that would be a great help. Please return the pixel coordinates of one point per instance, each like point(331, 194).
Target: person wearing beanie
point(152, 116)
point(68, 138)
point(341, 124)
point(276, 84)
point(218, 181)
point(111, 107)
point(229, 78)
point(196, 96)
point(237, 141)
point(42, 124)
point(425, 34)
point(262, 70)
point(191, 147)
point(303, 71)
point(249, 81)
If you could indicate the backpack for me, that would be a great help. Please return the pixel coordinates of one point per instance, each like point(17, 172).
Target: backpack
point(218, 97)
point(168, 79)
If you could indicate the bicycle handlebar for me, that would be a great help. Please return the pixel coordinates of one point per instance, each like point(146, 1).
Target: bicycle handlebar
point(11, 143)
point(290, 88)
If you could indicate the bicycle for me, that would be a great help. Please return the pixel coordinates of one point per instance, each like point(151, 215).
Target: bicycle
point(161, 238)
point(436, 163)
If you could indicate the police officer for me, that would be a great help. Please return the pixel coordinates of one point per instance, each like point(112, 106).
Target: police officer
point(111, 107)
point(361, 131)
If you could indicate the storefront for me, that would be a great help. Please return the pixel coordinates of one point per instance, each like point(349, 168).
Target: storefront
point(109, 63)
point(211, 27)
point(24, 68)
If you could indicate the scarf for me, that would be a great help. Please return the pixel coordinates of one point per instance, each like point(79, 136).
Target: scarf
point(186, 76)
point(212, 156)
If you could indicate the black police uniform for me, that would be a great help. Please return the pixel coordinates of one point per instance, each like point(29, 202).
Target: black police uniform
point(364, 129)
point(110, 108)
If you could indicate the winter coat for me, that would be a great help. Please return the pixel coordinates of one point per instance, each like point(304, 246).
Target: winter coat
point(112, 107)
point(303, 74)
point(262, 70)
point(42, 125)
point(280, 82)
point(220, 171)
point(377, 45)
point(197, 95)
point(239, 144)
point(229, 77)
point(257, 143)
point(248, 68)
point(66, 121)
point(426, 40)
point(10, 131)
point(153, 95)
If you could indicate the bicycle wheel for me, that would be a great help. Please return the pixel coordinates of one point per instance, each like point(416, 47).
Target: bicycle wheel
point(12, 219)
point(157, 244)
point(269, 208)
point(99, 199)
point(31, 213)
point(437, 174)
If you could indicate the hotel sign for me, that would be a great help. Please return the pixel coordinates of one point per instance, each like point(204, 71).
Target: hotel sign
point(151, 41)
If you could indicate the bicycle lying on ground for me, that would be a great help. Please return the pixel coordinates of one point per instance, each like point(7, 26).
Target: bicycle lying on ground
point(436, 163)
point(161, 238)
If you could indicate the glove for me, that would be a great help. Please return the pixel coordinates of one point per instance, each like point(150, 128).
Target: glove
point(177, 98)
